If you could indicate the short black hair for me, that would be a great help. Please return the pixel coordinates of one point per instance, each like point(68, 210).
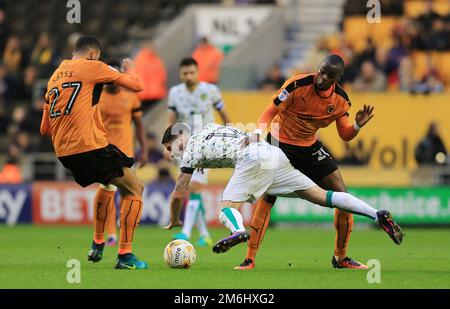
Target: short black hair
point(173, 131)
point(86, 42)
point(188, 61)
point(334, 60)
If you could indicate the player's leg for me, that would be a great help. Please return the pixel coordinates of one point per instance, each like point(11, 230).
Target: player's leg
point(111, 223)
point(201, 224)
point(103, 200)
point(352, 204)
point(343, 224)
point(258, 227)
point(231, 218)
point(250, 180)
point(131, 188)
point(191, 211)
point(205, 238)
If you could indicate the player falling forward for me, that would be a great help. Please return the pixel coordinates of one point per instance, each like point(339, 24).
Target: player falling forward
point(193, 102)
point(258, 168)
point(72, 118)
point(119, 108)
point(303, 105)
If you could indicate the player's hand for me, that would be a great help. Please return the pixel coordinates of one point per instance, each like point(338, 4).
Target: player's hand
point(364, 115)
point(167, 155)
point(143, 159)
point(173, 224)
point(127, 64)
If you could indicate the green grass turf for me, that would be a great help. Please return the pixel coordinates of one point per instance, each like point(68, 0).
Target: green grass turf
point(35, 257)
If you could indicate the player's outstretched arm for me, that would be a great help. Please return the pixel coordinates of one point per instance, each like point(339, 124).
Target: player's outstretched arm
point(224, 116)
point(176, 200)
point(348, 131)
point(130, 80)
point(45, 128)
point(267, 116)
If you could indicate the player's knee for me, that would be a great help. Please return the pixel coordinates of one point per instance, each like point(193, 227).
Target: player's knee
point(269, 199)
point(134, 188)
point(108, 187)
point(138, 187)
point(229, 204)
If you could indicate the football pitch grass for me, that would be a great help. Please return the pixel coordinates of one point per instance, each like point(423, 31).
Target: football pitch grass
point(36, 257)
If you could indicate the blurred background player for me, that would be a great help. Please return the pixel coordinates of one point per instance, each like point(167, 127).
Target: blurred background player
point(120, 108)
point(73, 119)
point(192, 102)
point(209, 59)
point(304, 104)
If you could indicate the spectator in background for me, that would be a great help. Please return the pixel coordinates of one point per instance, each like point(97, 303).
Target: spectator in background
point(431, 149)
point(392, 7)
point(430, 81)
point(426, 19)
point(369, 79)
point(4, 119)
point(14, 56)
point(21, 122)
point(4, 30)
point(439, 36)
point(23, 142)
point(350, 72)
point(405, 74)
point(416, 37)
point(274, 79)
point(316, 54)
point(25, 89)
point(344, 49)
point(209, 59)
point(151, 68)
point(394, 57)
point(368, 53)
point(70, 46)
point(10, 173)
point(43, 56)
point(6, 86)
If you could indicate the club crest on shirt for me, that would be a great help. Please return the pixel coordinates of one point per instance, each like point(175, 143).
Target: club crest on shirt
point(203, 96)
point(283, 95)
point(330, 109)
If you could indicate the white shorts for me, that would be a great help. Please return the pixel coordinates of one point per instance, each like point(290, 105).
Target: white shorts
point(265, 169)
point(200, 176)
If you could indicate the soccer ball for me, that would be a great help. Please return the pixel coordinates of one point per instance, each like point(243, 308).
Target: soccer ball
point(179, 253)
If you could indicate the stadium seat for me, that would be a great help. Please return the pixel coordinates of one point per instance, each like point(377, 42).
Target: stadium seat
point(414, 8)
point(420, 63)
point(381, 33)
point(442, 62)
point(356, 30)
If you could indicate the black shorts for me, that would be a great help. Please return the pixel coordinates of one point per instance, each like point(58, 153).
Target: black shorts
point(99, 165)
point(314, 161)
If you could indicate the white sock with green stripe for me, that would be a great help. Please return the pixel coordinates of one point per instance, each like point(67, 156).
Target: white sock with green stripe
point(190, 215)
point(348, 202)
point(232, 219)
point(201, 221)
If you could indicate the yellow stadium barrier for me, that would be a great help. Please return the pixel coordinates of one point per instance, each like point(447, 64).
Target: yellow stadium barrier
point(400, 122)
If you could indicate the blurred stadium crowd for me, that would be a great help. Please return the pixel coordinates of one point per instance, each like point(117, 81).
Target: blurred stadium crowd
point(408, 52)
